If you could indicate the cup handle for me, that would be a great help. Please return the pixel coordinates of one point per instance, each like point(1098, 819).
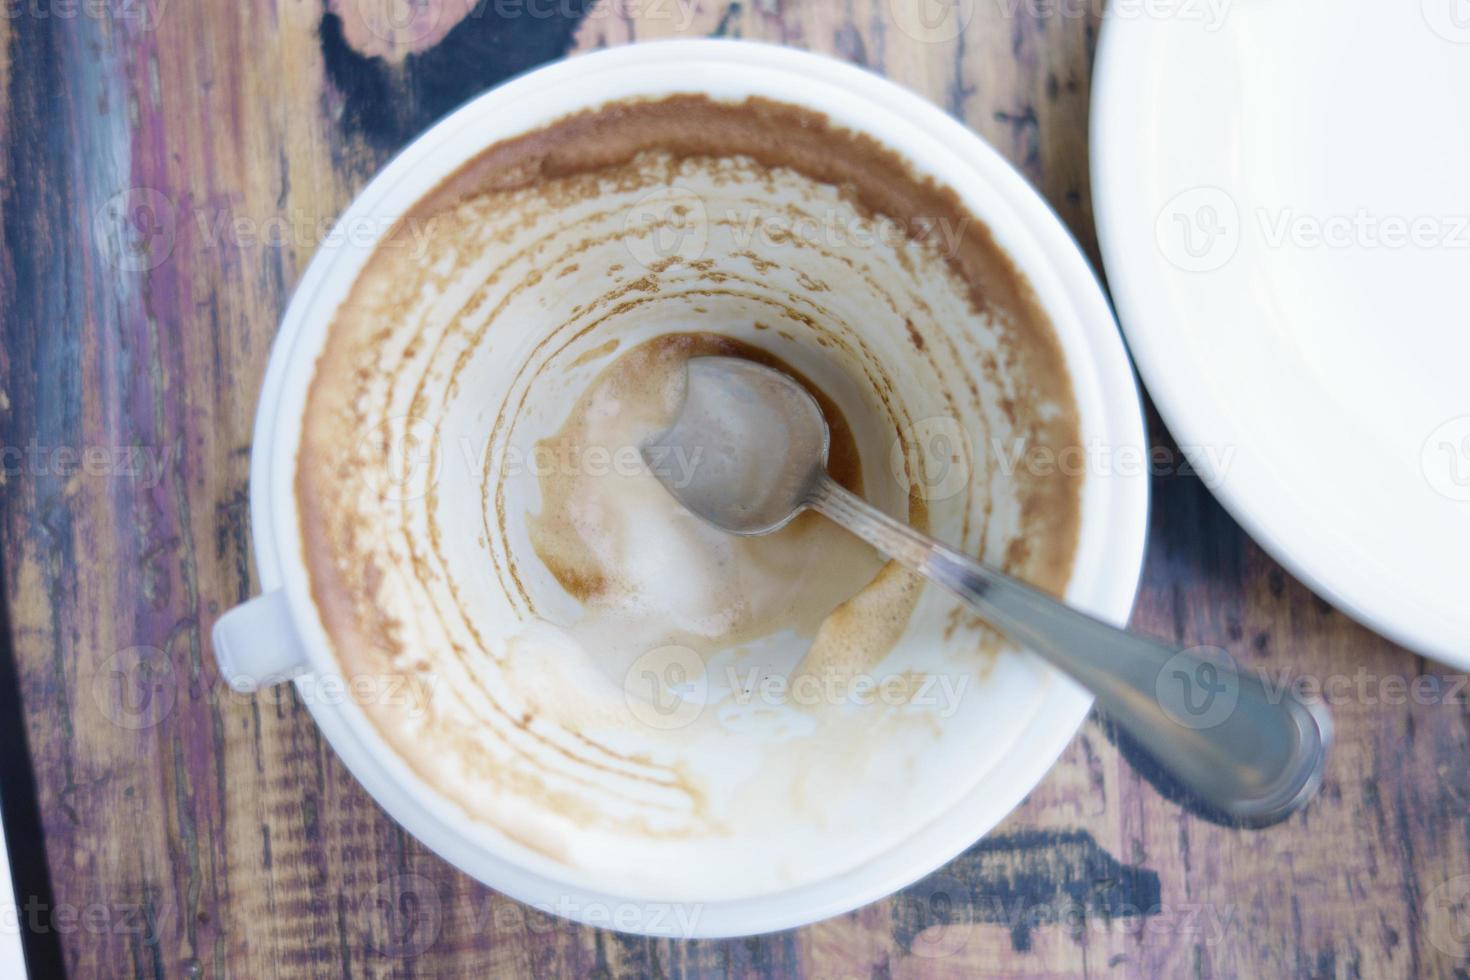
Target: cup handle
point(256, 644)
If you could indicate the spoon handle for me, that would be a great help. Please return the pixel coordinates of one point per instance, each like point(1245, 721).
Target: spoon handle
point(1254, 755)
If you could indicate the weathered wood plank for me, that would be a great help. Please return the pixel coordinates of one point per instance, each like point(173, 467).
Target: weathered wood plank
point(166, 178)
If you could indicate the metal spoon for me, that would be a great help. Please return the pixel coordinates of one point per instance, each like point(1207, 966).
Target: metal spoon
point(752, 448)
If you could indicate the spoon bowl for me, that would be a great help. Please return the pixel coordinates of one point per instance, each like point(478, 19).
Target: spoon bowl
point(748, 448)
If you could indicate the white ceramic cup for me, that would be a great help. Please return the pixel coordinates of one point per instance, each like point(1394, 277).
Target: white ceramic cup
point(280, 635)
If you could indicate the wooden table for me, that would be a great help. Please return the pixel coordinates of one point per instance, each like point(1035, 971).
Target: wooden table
point(192, 832)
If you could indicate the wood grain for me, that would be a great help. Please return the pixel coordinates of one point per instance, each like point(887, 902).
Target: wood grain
point(169, 169)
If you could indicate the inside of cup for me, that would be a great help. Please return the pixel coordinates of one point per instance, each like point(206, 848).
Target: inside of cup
point(614, 737)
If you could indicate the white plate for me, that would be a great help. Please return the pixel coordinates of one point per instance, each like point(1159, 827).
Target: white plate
point(1283, 202)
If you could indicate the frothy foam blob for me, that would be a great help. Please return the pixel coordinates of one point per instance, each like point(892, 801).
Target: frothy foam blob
point(649, 572)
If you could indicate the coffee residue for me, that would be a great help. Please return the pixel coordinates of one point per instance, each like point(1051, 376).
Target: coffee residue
point(530, 256)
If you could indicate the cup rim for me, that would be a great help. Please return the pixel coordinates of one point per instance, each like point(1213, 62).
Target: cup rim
point(1106, 567)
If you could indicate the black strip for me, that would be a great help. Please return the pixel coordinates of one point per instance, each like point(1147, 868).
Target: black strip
point(32, 290)
point(20, 809)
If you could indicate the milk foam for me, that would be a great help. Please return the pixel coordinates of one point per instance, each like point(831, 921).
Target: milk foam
point(649, 572)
